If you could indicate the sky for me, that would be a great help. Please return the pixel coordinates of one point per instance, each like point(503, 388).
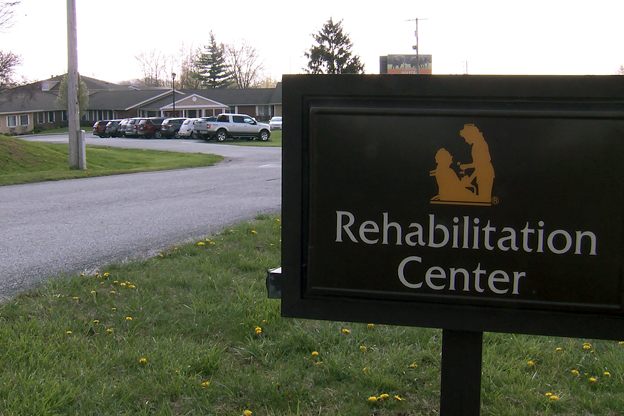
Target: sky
point(528, 37)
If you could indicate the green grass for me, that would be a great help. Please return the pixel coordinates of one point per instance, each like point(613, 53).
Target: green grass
point(26, 162)
point(274, 141)
point(205, 340)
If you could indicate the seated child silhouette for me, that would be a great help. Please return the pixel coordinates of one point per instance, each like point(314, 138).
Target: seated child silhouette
point(450, 187)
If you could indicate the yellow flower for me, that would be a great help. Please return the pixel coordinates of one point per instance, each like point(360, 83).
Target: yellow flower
point(258, 330)
point(384, 396)
point(548, 394)
point(592, 380)
point(75, 298)
point(587, 346)
point(82, 274)
point(319, 363)
point(558, 349)
point(575, 372)
point(113, 308)
point(247, 413)
point(143, 361)
point(553, 397)
point(314, 353)
point(608, 374)
point(205, 384)
point(212, 243)
point(531, 363)
point(112, 292)
point(366, 369)
point(106, 274)
point(128, 318)
point(68, 332)
point(115, 282)
point(93, 292)
point(372, 399)
point(346, 331)
point(398, 398)
point(254, 232)
point(122, 284)
point(201, 243)
point(96, 321)
point(109, 331)
point(363, 348)
point(413, 365)
point(132, 287)
point(371, 325)
point(621, 342)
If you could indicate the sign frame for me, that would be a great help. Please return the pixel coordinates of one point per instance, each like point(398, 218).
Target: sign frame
point(571, 97)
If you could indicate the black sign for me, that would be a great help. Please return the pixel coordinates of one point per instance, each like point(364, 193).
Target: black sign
point(470, 203)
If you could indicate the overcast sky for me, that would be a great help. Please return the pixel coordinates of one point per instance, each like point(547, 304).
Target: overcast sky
point(478, 36)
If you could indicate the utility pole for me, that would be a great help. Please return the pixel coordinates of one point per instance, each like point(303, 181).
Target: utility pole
point(415, 47)
point(77, 155)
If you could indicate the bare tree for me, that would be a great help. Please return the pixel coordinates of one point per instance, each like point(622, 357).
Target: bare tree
point(154, 67)
point(620, 71)
point(6, 14)
point(245, 63)
point(188, 72)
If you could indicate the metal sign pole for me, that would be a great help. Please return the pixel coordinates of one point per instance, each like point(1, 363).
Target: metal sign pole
point(460, 392)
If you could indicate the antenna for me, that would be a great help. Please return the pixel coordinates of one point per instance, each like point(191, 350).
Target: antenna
point(415, 47)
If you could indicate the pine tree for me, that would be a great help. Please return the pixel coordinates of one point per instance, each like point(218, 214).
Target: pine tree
point(213, 71)
point(332, 53)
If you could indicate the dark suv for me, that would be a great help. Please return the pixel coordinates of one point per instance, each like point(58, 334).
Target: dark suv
point(112, 128)
point(99, 128)
point(150, 127)
point(171, 126)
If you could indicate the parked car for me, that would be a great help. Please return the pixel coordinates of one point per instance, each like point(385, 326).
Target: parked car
point(121, 129)
point(275, 123)
point(237, 126)
point(112, 128)
point(186, 129)
point(99, 128)
point(150, 127)
point(131, 127)
point(170, 126)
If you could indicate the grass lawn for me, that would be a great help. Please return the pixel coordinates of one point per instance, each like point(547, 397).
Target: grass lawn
point(27, 162)
point(191, 332)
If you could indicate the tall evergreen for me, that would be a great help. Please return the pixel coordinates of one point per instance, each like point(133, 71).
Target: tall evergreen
point(332, 52)
point(211, 67)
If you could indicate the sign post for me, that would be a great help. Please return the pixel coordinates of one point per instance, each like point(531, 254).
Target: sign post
point(471, 204)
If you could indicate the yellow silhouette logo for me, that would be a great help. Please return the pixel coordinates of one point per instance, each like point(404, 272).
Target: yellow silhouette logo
point(473, 184)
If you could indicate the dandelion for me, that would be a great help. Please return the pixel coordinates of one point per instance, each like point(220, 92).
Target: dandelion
point(96, 321)
point(132, 287)
point(112, 292)
point(575, 372)
point(106, 274)
point(553, 397)
point(621, 342)
point(122, 284)
point(205, 384)
point(93, 292)
point(366, 369)
point(113, 309)
point(115, 282)
point(413, 365)
point(397, 398)
point(363, 348)
point(558, 349)
point(548, 394)
point(212, 243)
point(109, 331)
point(346, 331)
point(592, 380)
point(530, 363)
point(372, 399)
point(258, 330)
point(75, 298)
point(207, 240)
point(201, 243)
point(371, 325)
point(143, 361)
point(81, 274)
point(254, 232)
point(607, 374)
point(128, 318)
point(68, 332)
point(319, 363)
point(247, 413)
point(384, 396)
point(314, 353)
point(587, 346)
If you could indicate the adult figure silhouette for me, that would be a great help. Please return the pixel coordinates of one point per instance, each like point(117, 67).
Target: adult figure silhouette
point(482, 175)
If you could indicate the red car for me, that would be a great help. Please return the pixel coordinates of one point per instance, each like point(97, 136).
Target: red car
point(150, 127)
point(99, 128)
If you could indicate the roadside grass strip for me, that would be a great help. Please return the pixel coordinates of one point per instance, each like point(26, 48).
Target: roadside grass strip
point(191, 332)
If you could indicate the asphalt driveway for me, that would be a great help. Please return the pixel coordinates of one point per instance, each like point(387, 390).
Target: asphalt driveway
point(71, 226)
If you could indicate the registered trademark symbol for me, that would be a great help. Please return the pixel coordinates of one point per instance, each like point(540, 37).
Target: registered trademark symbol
point(495, 200)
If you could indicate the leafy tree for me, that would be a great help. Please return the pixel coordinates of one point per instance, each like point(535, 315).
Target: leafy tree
point(213, 70)
point(245, 64)
point(8, 60)
point(83, 95)
point(332, 52)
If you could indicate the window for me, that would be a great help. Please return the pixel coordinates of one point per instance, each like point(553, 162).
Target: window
point(11, 121)
point(40, 118)
point(64, 116)
point(50, 116)
point(24, 120)
point(238, 119)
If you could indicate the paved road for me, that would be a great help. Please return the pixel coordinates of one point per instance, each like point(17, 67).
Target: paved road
point(77, 225)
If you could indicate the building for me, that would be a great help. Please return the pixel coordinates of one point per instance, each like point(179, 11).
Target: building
point(33, 107)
